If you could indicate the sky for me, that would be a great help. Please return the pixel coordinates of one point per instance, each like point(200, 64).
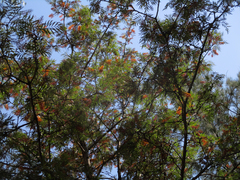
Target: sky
point(228, 60)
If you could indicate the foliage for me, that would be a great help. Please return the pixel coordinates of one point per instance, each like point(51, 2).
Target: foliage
point(161, 114)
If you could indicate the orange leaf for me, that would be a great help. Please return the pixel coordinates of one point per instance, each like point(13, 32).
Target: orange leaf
point(101, 69)
point(144, 96)
point(133, 165)
point(20, 168)
point(63, 4)
point(87, 101)
point(225, 131)
point(41, 105)
point(166, 57)
point(51, 15)
point(17, 112)
point(215, 52)
point(39, 118)
point(179, 110)
point(27, 117)
point(82, 38)
point(15, 95)
point(70, 15)
point(46, 72)
point(109, 61)
point(145, 143)
point(200, 131)
point(6, 106)
point(170, 165)
point(195, 127)
point(187, 94)
point(165, 120)
point(93, 159)
point(204, 142)
point(105, 141)
point(45, 110)
point(67, 5)
point(79, 28)
point(70, 27)
point(210, 149)
point(90, 69)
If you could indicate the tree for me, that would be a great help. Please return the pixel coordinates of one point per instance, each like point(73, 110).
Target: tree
point(191, 135)
point(156, 115)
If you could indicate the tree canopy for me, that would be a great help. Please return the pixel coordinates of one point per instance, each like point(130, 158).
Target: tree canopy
point(108, 111)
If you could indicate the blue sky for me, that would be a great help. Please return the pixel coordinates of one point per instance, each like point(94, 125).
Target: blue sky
point(228, 60)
